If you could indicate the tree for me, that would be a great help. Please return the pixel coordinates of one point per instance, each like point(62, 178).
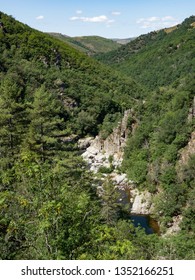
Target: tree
point(110, 202)
point(12, 125)
point(46, 124)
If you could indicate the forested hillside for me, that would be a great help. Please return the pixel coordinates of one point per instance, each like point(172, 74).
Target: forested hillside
point(158, 58)
point(89, 44)
point(160, 154)
point(50, 96)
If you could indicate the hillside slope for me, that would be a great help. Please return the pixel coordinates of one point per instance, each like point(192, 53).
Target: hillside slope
point(70, 73)
point(89, 44)
point(158, 58)
point(159, 156)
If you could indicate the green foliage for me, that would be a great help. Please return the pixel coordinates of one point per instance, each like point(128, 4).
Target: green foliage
point(105, 170)
point(110, 206)
point(188, 171)
point(12, 118)
point(122, 242)
point(158, 58)
point(110, 121)
point(179, 247)
point(152, 152)
point(137, 165)
point(85, 86)
point(50, 95)
point(85, 123)
point(46, 126)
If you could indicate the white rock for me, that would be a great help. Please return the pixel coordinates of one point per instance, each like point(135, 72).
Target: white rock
point(92, 151)
point(141, 202)
point(120, 178)
point(84, 143)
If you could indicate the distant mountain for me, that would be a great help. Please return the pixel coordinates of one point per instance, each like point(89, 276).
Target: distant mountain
point(89, 44)
point(124, 41)
point(157, 58)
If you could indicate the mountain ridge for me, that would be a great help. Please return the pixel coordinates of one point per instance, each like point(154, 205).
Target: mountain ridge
point(89, 44)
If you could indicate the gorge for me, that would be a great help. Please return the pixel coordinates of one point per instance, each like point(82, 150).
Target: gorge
point(86, 143)
point(106, 156)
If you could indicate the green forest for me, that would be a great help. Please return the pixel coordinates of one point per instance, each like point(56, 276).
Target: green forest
point(52, 95)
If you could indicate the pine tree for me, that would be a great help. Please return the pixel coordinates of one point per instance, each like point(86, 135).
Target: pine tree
point(12, 130)
point(46, 124)
point(110, 205)
point(12, 125)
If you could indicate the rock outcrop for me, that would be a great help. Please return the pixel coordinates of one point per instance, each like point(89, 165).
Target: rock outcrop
point(189, 150)
point(185, 155)
point(85, 142)
point(141, 202)
point(191, 114)
point(174, 227)
point(104, 153)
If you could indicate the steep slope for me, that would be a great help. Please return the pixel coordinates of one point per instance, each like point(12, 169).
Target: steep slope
point(85, 86)
point(163, 134)
point(158, 58)
point(89, 44)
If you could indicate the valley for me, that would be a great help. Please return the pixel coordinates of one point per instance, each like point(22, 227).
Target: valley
point(93, 132)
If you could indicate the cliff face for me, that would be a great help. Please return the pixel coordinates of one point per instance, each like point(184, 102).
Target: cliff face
point(187, 151)
point(192, 111)
point(104, 153)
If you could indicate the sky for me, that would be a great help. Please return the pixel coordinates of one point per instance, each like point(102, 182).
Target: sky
point(107, 18)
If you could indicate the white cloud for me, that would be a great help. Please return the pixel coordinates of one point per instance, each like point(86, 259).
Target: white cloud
point(116, 13)
point(152, 19)
point(78, 12)
point(168, 18)
point(110, 21)
point(40, 17)
point(157, 22)
point(74, 18)
point(97, 19)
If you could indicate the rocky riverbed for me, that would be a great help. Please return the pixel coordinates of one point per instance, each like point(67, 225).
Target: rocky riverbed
point(108, 153)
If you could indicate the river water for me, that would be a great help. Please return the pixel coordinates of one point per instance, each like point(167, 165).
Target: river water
point(146, 222)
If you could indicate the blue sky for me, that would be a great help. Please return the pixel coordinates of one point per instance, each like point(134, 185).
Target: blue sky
point(107, 18)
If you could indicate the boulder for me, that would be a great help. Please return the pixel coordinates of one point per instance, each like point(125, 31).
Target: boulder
point(84, 143)
point(141, 202)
